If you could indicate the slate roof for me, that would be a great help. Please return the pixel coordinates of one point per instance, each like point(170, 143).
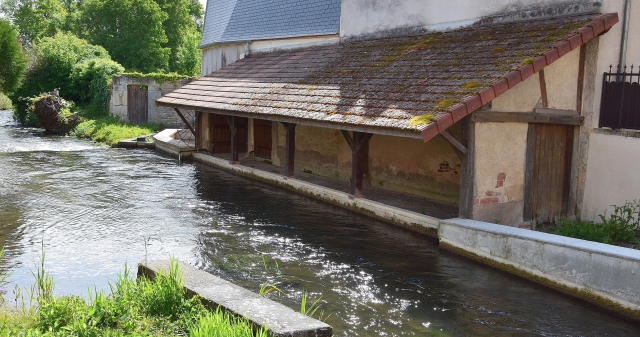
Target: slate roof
point(247, 20)
point(417, 85)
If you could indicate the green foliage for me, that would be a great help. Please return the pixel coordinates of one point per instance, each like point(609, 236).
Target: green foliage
point(131, 30)
point(53, 59)
point(221, 324)
point(160, 77)
point(91, 81)
point(13, 61)
point(139, 307)
point(622, 227)
point(5, 102)
point(35, 19)
point(182, 35)
point(110, 130)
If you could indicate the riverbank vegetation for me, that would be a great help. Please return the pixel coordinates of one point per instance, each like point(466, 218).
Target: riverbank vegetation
point(109, 130)
point(75, 47)
point(139, 307)
point(621, 227)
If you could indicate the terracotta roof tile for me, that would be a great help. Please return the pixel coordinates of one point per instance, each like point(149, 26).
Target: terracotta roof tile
point(389, 83)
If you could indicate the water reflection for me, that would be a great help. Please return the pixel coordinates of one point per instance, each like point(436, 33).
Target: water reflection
point(96, 209)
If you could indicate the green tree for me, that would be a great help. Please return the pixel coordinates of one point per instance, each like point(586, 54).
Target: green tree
point(52, 62)
point(130, 30)
point(12, 60)
point(35, 18)
point(182, 35)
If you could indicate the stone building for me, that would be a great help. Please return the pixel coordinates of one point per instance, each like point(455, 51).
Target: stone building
point(493, 107)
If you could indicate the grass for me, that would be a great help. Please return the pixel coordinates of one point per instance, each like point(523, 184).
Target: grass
point(109, 130)
point(135, 307)
point(622, 227)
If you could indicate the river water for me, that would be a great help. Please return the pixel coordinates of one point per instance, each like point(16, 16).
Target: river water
point(94, 209)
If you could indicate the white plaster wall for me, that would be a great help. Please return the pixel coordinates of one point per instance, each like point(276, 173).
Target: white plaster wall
point(265, 46)
point(561, 79)
point(609, 48)
point(521, 98)
point(500, 172)
point(218, 56)
point(368, 16)
point(612, 173)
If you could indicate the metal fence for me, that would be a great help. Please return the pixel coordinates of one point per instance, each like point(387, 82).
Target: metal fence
point(620, 107)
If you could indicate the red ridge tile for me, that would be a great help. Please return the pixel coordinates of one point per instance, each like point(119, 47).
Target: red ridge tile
point(598, 26)
point(526, 71)
point(564, 48)
point(500, 87)
point(610, 20)
point(513, 78)
point(473, 103)
point(551, 56)
point(444, 121)
point(587, 34)
point(458, 111)
point(539, 63)
point(575, 41)
point(430, 131)
point(487, 95)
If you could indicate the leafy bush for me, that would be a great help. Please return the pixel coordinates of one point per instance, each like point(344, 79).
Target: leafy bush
point(91, 80)
point(5, 102)
point(12, 60)
point(622, 227)
point(52, 61)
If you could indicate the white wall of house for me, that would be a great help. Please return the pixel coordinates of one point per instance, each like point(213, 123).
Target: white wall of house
point(218, 56)
point(612, 157)
point(370, 16)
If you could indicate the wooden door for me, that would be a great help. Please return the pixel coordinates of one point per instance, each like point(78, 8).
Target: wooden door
point(220, 134)
point(137, 103)
point(262, 138)
point(550, 152)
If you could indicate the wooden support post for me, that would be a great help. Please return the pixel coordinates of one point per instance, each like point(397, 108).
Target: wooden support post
point(356, 144)
point(543, 89)
point(459, 149)
point(467, 170)
point(290, 147)
point(184, 120)
point(234, 141)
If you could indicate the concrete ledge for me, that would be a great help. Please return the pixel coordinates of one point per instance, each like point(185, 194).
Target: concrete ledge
point(603, 274)
point(216, 292)
point(167, 144)
point(411, 220)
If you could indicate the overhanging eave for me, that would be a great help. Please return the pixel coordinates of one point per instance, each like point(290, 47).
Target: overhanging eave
point(308, 122)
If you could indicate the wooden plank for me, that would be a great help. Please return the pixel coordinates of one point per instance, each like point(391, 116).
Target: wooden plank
point(184, 120)
point(467, 170)
point(231, 120)
point(543, 89)
point(290, 148)
point(580, 87)
point(529, 172)
point(358, 158)
point(262, 138)
point(454, 142)
point(525, 117)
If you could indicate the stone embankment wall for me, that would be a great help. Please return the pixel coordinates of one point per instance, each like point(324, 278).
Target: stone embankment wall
point(156, 114)
point(606, 275)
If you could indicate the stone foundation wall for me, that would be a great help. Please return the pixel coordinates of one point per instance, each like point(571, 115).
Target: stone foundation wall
point(156, 114)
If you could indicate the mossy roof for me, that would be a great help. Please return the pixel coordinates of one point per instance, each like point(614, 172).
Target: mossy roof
point(387, 83)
